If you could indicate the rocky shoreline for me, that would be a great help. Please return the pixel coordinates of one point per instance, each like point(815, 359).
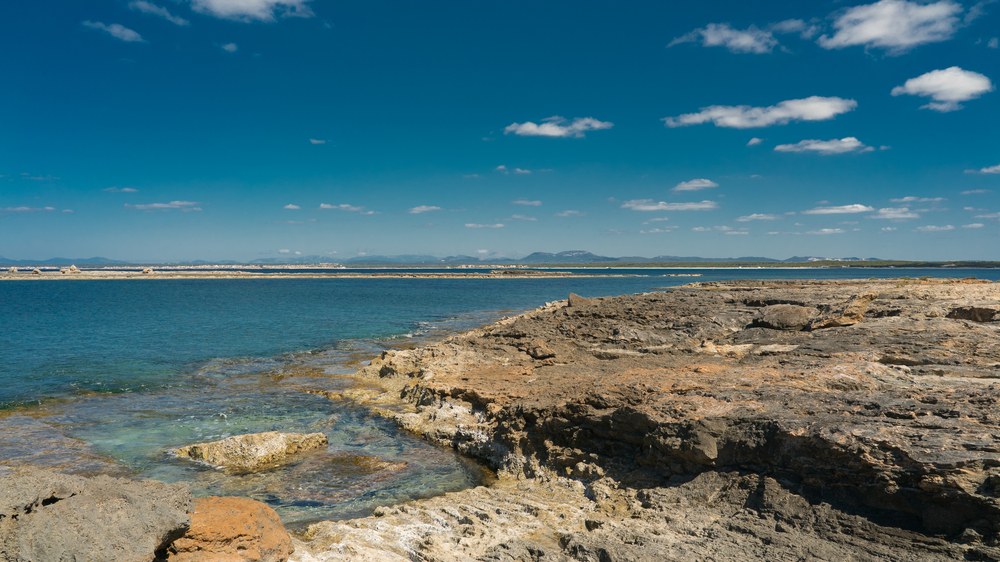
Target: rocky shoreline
point(718, 421)
point(806, 420)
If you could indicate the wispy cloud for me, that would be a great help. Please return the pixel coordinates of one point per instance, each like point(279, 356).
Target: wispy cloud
point(658, 230)
point(503, 169)
point(973, 226)
point(557, 127)
point(120, 190)
point(948, 88)
point(813, 108)
point(826, 147)
point(291, 207)
point(976, 191)
point(187, 206)
point(525, 218)
point(317, 141)
point(915, 199)
point(826, 231)
point(527, 202)
point(696, 184)
point(253, 10)
point(750, 40)
point(986, 170)
point(26, 209)
point(570, 213)
point(727, 230)
point(933, 228)
point(231, 48)
point(421, 209)
point(895, 213)
point(754, 141)
point(894, 25)
point(839, 210)
point(158, 11)
point(346, 207)
point(116, 30)
point(478, 225)
point(757, 217)
point(649, 205)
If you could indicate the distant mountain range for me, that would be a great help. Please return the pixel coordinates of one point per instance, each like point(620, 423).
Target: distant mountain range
point(536, 258)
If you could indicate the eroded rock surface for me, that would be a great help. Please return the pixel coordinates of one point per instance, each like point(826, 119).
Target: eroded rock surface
point(228, 529)
point(860, 424)
point(254, 451)
point(54, 517)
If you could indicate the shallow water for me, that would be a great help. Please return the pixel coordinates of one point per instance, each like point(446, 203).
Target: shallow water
point(108, 376)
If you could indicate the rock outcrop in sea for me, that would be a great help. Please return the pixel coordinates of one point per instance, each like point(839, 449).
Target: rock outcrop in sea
point(254, 451)
point(852, 420)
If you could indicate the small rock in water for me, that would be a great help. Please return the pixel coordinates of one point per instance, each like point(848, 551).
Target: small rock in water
point(253, 451)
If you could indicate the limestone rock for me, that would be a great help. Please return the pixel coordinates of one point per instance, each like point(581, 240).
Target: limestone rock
point(540, 350)
point(576, 301)
point(976, 313)
point(254, 451)
point(227, 529)
point(785, 317)
point(46, 515)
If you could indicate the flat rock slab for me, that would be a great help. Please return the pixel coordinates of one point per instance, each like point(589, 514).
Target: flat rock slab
point(254, 451)
point(48, 516)
point(228, 529)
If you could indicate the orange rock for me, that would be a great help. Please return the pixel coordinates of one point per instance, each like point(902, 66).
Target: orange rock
point(229, 529)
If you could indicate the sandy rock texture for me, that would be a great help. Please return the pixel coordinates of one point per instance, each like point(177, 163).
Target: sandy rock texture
point(847, 420)
point(55, 517)
point(254, 451)
point(228, 529)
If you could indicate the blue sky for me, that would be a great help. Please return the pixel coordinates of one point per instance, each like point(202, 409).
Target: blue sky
point(241, 129)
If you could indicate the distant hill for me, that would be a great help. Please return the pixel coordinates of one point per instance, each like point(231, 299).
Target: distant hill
point(53, 262)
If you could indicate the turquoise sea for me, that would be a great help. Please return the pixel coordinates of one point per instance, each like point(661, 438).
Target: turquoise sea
point(108, 376)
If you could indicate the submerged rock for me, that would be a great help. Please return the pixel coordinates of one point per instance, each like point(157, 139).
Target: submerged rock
point(46, 515)
point(253, 451)
point(226, 529)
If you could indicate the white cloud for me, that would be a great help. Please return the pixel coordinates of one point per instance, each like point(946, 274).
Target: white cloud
point(232, 48)
point(896, 25)
point(522, 218)
point(826, 231)
point(813, 108)
point(754, 141)
point(647, 205)
point(346, 207)
point(839, 210)
point(987, 170)
point(116, 30)
point(826, 147)
point(976, 191)
point(317, 141)
point(973, 226)
point(570, 213)
point(478, 225)
point(292, 207)
point(120, 190)
point(750, 40)
point(421, 209)
point(159, 11)
point(26, 209)
point(889, 229)
point(527, 202)
point(518, 171)
point(659, 230)
point(914, 199)
point(895, 213)
point(723, 229)
point(169, 206)
point(252, 10)
point(757, 217)
point(557, 127)
point(933, 228)
point(993, 43)
point(696, 184)
point(948, 87)
point(989, 216)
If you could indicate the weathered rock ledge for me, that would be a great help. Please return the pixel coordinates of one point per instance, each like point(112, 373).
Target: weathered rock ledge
point(853, 420)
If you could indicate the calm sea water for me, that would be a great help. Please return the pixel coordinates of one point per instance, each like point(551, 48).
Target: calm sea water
point(108, 376)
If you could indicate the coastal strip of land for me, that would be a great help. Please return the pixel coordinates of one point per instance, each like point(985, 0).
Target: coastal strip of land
point(203, 274)
point(718, 421)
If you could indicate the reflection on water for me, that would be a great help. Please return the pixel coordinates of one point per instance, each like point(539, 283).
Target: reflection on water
point(368, 462)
